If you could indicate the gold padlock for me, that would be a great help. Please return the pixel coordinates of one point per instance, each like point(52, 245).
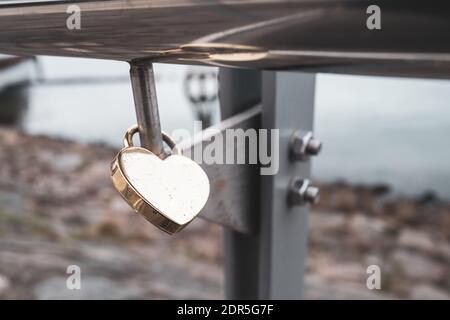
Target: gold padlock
point(168, 192)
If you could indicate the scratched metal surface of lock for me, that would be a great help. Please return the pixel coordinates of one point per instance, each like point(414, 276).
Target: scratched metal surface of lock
point(168, 192)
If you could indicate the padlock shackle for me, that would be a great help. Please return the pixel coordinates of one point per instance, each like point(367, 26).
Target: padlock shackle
point(128, 136)
point(128, 139)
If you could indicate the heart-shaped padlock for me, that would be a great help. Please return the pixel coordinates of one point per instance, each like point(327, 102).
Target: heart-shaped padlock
point(168, 192)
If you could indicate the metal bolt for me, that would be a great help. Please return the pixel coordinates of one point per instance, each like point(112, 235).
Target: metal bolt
point(303, 145)
point(302, 192)
point(312, 194)
point(313, 147)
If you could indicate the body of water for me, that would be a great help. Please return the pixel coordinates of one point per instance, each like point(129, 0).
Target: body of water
point(375, 130)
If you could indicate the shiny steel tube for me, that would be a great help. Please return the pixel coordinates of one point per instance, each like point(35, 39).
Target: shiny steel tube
point(146, 104)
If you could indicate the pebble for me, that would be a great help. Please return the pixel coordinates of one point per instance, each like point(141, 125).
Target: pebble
point(414, 239)
point(4, 284)
point(326, 221)
point(68, 162)
point(444, 250)
point(428, 292)
point(91, 288)
point(366, 230)
point(353, 272)
point(417, 266)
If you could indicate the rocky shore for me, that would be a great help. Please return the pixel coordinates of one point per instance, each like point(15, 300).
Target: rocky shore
point(58, 208)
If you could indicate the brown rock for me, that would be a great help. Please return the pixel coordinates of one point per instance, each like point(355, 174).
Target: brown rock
point(366, 230)
point(417, 266)
point(404, 211)
point(198, 248)
point(326, 221)
point(344, 199)
point(415, 239)
point(348, 271)
point(9, 137)
point(428, 292)
point(443, 250)
point(4, 284)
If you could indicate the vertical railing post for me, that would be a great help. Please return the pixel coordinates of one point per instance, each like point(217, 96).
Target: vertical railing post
point(240, 90)
point(288, 105)
point(270, 264)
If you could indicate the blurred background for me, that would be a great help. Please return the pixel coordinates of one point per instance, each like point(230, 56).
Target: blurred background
point(384, 174)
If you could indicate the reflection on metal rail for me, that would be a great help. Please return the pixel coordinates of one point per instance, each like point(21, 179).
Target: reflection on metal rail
point(316, 36)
